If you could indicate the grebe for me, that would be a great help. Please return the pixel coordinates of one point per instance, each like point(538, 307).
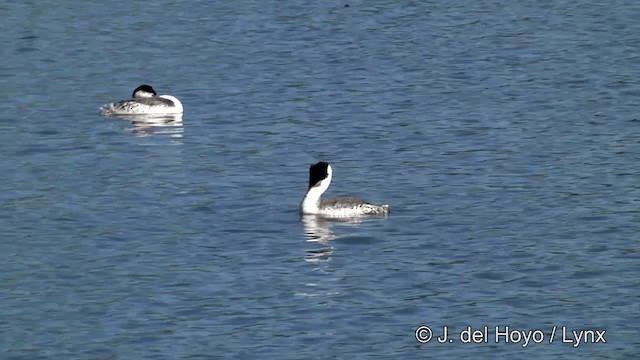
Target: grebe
point(319, 180)
point(145, 102)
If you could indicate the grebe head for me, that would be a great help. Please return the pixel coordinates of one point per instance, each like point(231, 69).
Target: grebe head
point(320, 175)
point(143, 91)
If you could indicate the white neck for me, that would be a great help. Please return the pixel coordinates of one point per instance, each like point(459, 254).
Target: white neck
point(311, 202)
point(178, 105)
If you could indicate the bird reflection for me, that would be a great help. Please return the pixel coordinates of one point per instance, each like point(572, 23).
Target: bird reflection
point(319, 231)
point(150, 125)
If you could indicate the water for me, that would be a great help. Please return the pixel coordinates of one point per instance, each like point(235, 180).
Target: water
point(504, 136)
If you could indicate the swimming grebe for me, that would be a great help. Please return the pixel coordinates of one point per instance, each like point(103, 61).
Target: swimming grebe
point(145, 102)
point(319, 180)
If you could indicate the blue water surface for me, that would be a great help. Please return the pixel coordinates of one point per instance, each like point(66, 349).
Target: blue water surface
point(504, 136)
